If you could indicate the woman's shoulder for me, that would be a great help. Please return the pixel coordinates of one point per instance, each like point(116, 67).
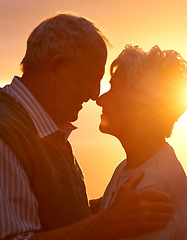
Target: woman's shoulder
point(164, 171)
point(168, 165)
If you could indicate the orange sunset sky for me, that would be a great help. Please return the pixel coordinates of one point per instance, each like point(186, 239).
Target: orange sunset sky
point(141, 22)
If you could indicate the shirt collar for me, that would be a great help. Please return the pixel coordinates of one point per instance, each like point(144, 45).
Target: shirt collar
point(41, 119)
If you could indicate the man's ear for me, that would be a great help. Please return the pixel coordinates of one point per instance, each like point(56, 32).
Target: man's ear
point(55, 62)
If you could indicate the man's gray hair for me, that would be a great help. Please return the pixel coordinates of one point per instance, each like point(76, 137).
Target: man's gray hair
point(66, 34)
point(156, 79)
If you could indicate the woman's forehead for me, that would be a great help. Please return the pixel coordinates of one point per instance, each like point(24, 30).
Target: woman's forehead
point(119, 76)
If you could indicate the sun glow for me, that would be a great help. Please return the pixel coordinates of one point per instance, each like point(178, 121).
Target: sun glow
point(184, 96)
point(178, 140)
point(105, 87)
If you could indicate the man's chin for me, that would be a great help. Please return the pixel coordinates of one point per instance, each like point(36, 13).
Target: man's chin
point(67, 119)
point(73, 117)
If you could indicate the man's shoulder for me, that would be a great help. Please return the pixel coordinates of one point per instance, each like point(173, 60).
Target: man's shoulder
point(12, 114)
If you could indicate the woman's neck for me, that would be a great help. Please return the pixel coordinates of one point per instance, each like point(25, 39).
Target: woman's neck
point(140, 147)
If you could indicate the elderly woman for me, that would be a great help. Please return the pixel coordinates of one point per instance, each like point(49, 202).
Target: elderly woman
point(145, 100)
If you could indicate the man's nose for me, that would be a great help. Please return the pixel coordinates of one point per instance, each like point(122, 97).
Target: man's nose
point(95, 93)
point(98, 100)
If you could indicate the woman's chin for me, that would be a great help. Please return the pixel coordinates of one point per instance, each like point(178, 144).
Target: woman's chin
point(104, 127)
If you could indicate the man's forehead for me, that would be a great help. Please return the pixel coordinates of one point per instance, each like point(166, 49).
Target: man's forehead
point(94, 64)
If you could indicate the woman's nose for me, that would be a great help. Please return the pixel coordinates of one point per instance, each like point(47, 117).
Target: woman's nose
point(100, 100)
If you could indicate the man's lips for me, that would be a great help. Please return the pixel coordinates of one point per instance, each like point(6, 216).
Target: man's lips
point(80, 107)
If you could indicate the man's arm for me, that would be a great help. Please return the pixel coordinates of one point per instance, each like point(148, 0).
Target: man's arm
point(132, 213)
point(18, 206)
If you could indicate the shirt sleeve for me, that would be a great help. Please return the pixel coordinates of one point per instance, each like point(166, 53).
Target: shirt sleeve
point(18, 205)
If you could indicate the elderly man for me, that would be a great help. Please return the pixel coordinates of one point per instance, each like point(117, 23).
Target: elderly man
point(42, 193)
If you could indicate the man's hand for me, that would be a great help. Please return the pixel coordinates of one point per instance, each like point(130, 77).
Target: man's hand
point(132, 214)
point(136, 212)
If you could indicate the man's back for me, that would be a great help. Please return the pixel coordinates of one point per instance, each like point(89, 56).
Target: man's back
point(53, 173)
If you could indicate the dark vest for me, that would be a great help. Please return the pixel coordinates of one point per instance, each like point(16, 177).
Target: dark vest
point(53, 172)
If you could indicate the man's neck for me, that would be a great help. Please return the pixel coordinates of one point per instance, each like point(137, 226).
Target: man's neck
point(32, 83)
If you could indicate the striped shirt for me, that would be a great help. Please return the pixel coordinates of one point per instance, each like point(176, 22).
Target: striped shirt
point(19, 215)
